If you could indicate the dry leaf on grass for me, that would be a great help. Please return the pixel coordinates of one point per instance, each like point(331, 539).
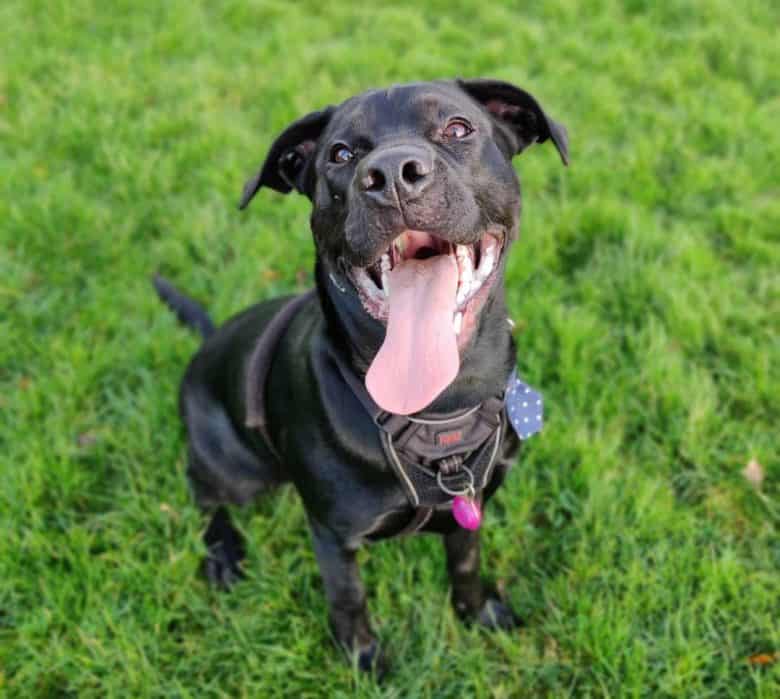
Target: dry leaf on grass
point(763, 658)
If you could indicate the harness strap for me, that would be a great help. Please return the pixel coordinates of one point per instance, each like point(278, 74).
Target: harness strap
point(260, 361)
point(418, 520)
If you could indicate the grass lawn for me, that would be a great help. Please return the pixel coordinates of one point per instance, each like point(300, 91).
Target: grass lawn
point(645, 288)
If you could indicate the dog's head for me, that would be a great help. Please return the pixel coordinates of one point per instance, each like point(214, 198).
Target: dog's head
point(415, 204)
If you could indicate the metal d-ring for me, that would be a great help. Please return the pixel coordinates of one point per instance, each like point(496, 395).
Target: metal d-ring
point(468, 490)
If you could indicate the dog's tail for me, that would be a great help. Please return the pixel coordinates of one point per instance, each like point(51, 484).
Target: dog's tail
point(187, 310)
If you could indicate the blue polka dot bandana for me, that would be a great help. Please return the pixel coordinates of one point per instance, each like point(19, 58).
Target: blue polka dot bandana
point(524, 407)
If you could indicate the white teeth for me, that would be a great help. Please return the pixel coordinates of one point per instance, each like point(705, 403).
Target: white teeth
point(488, 259)
point(399, 243)
point(457, 321)
point(463, 292)
point(465, 272)
point(368, 286)
point(385, 266)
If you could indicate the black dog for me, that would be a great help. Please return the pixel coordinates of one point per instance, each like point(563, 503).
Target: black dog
point(415, 206)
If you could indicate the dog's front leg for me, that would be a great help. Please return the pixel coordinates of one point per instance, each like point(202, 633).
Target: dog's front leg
point(348, 613)
point(469, 597)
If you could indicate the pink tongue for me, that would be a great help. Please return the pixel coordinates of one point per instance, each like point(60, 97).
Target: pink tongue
point(419, 357)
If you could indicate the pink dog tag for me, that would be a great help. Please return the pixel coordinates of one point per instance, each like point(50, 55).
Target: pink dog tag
point(466, 512)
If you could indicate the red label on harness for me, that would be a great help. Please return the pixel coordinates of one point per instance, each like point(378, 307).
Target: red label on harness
point(447, 439)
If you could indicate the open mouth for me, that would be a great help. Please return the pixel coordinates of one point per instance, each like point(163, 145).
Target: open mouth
point(476, 267)
point(428, 292)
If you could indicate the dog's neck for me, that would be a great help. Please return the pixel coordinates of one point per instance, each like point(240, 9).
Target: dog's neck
point(485, 364)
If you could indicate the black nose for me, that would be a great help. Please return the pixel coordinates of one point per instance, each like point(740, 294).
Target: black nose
point(393, 173)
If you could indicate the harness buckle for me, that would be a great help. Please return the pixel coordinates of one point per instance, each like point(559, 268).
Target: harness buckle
point(450, 464)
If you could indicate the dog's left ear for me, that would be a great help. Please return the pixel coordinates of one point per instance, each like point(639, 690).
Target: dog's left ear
point(287, 162)
point(519, 114)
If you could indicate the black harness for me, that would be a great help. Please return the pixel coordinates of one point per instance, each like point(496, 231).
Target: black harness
point(434, 456)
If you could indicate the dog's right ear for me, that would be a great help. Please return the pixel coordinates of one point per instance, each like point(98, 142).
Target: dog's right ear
point(287, 162)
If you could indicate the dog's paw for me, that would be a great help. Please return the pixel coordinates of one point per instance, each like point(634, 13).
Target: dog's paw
point(373, 660)
point(497, 615)
point(222, 566)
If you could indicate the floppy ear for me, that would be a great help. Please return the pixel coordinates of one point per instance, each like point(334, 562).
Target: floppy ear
point(290, 155)
point(519, 114)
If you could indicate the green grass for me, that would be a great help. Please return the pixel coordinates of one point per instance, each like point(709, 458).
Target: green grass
point(645, 287)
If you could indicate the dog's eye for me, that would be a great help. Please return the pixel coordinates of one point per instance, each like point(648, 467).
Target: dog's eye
point(456, 129)
point(341, 154)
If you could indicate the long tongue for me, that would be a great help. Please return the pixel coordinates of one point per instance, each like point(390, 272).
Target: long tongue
point(419, 357)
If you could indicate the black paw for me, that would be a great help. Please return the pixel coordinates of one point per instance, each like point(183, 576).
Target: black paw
point(497, 615)
point(222, 566)
point(373, 660)
point(226, 550)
